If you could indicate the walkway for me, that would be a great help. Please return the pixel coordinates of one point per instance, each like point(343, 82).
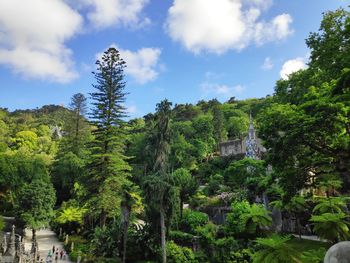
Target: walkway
point(46, 239)
point(313, 238)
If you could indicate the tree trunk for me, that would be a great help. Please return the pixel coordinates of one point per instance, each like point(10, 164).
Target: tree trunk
point(298, 226)
point(181, 207)
point(103, 218)
point(126, 211)
point(33, 235)
point(162, 233)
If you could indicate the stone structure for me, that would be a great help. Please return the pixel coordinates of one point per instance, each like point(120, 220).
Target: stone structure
point(12, 249)
point(249, 146)
point(338, 253)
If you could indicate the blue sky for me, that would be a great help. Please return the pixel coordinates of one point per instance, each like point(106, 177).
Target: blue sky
point(183, 50)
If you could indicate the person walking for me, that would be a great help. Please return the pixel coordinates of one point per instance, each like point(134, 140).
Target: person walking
point(56, 255)
point(61, 253)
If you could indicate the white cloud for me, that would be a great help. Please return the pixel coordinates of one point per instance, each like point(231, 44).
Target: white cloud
point(211, 87)
point(142, 65)
point(106, 13)
point(221, 25)
point(131, 109)
point(292, 66)
point(267, 65)
point(214, 89)
point(33, 35)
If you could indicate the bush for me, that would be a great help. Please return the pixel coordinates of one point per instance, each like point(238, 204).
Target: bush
point(214, 184)
point(275, 249)
point(181, 238)
point(247, 219)
point(2, 223)
point(177, 254)
point(198, 200)
point(224, 248)
point(191, 220)
point(104, 241)
point(313, 256)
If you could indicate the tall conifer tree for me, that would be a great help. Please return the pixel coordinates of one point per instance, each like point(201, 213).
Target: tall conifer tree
point(109, 168)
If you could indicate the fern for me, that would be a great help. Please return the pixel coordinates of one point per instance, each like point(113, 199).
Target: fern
point(331, 226)
point(274, 249)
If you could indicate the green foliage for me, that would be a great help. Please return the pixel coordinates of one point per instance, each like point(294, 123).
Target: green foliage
point(186, 184)
point(108, 167)
point(274, 249)
point(246, 218)
point(26, 139)
point(330, 205)
point(191, 220)
point(177, 254)
point(333, 227)
point(238, 173)
point(215, 181)
point(181, 238)
point(2, 223)
point(68, 169)
point(35, 203)
point(71, 214)
point(313, 256)
point(104, 241)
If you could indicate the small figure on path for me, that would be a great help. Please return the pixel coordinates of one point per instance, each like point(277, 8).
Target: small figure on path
point(56, 254)
point(61, 253)
point(53, 249)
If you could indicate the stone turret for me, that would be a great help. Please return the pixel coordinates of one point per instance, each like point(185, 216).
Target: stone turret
point(250, 146)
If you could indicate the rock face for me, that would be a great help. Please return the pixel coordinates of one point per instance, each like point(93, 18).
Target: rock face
point(338, 253)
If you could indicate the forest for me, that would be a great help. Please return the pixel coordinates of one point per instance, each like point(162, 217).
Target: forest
point(158, 189)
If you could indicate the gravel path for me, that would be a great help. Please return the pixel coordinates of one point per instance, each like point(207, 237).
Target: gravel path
point(46, 240)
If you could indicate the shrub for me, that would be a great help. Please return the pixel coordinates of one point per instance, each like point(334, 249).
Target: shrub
point(224, 248)
point(177, 254)
point(181, 238)
point(191, 220)
point(198, 200)
point(274, 249)
point(246, 218)
point(313, 256)
point(215, 181)
point(2, 223)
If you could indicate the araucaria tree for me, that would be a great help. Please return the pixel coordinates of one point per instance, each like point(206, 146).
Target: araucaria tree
point(78, 106)
point(109, 169)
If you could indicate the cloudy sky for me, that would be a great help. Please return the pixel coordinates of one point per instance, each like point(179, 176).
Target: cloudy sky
point(183, 50)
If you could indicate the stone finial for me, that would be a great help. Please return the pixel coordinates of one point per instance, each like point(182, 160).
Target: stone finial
point(338, 253)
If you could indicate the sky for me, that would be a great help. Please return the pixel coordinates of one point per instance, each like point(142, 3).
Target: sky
point(182, 50)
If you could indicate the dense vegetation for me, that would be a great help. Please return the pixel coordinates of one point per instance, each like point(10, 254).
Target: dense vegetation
point(147, 189)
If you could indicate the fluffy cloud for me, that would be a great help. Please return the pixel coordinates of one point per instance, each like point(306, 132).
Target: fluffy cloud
point(220, 25)
point(131, 109)
point(32, 37)
point(142, 65)
point(105, 13)
point(214, 89)
point(292, 66)
point(267, 65)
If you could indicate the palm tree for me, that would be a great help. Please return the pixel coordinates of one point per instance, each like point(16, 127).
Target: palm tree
point(160, 192)
point(158, 187)
point(274, 249)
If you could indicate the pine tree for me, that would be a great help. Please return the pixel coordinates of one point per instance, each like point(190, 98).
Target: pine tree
point(78, 106)
point(109, 168)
